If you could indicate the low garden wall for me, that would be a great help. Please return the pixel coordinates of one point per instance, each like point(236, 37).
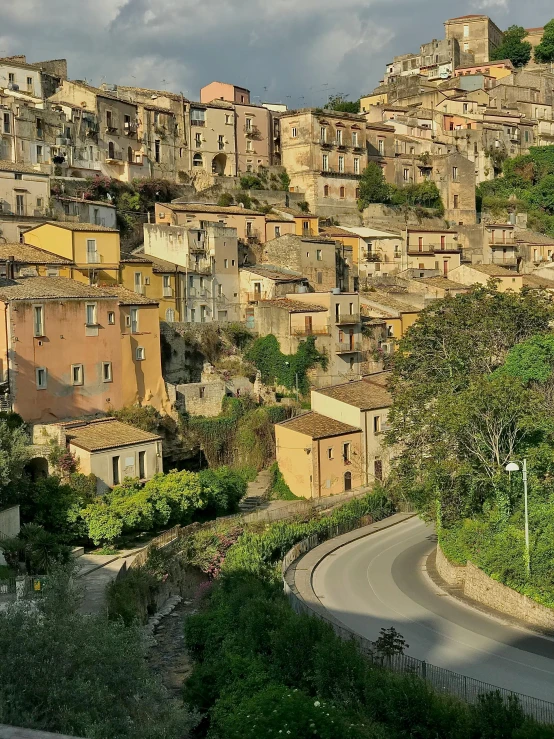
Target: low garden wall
point(483, 589)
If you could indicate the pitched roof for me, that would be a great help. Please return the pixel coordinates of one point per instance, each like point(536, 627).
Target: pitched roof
point(526, 236)
point(128, 297)
point(272, 272)
point(233, 210)
point(108, 433)
point(72, 199)
point(365, 394)
point(76, 226)
point(443, 282)
point(34, 288)
point(318, 427)
point(493, 270)
point(293, 306)
point(391, 300)
point(534, 281)
point(27, 254)
point(293, 212)
point(162, 266)
point(6, 166)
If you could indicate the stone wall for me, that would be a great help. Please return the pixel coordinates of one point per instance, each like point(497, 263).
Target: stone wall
point(483, 589)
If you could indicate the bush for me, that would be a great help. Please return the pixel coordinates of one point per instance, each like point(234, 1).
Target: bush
point(225, 200)
point(279, 489)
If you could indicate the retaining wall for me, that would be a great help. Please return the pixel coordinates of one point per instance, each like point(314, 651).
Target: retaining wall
point(483, 589)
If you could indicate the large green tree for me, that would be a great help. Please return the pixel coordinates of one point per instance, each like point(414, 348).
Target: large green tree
point(544, 52)
point(513, 47)
point(14, 454)
point(373, 188)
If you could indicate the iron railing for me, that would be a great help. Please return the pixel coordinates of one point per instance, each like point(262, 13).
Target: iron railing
point(442, 680)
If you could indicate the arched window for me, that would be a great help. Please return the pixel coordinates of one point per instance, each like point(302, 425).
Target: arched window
point(342, 192)
point(129, 154)
point(347, 481)
point(326, 191)
point(170, 315)
point(111, 150)
point(197, 160)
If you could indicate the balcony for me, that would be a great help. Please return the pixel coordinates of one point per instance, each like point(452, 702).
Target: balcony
point(93, 257)
point(115, 157)
point(446, 248)
point(253, 236)
point(203, 267)
point(507, 261)
point(347, 319)
point(360, 150)
point(374, 256)
point(325, 144)
point(314, 331)
point(500, 244)
point(348, 347)
point(256, 296)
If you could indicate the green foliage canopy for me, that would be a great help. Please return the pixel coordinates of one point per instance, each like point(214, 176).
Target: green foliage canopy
point(513, 47)
point(544, 52)
point(278, 368)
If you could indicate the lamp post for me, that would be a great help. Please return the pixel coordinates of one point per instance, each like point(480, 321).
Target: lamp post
point(514, 467)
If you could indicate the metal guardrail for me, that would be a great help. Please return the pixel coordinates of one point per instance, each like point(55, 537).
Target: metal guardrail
point(442, 680)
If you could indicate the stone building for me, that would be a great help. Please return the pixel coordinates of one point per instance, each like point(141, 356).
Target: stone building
point(34, 79)
point(268, 281)
point(212, 138)
point(249, 224)
point(24, 199)
point(312, 257)
point(476, 34)
point(325, 153)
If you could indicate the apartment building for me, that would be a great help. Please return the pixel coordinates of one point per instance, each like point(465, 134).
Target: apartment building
point(97, 212)
point(212, 137)
point(34, 79)
point(268, 281)
point(68, 349)
point(157, 279)
point(428, 248)
point(208, 254)
point(325, 153)
point(24, 199)
point(313, 257)
point(476, 34)
point(249, 224)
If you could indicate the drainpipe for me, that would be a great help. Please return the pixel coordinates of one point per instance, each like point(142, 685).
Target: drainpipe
point(319, 468)
point(366, 452)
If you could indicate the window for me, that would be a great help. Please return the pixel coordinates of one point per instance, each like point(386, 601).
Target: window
point(342, 192)
point(198, 139)
point(7, 126)
point(77, 374)
point(456, 201)
point(339, 136)
point(138, 282)
point(157, 150)
point(465, 106)
point(341, 164)
point(346, 452)
point(197, 117)
point(115, 470)
point(221, 143)
point(294, 132)
point(29, 84)
point(225, 263)
point(109, 121)
point(38, 320)
point(466, 46)
point(20, 204)
point(39, 154)
point(323, 134)
point(127, 122)
point(197, 160)
point(11, 77)
point(355, 139)
point(330, 454)
point(170, 315)
point(277, 231)
point(142, 465)
point(249, 146)
point(526, 136)
point(92, 254)
point(41, 378)
point(466, 31)
point(319, 255)
point(106, 371)
point(134, 320)
point(376, 424)
point(381, 146)
point(139, 353)
point(454, 173)
point(248, 125)
point(90, 309)
point(326, 191)
point(319, 278)
point(325, 162)
point(111, 318)
point(228, 119)
point(356, 165)
point(357, 193)
point(406, 175)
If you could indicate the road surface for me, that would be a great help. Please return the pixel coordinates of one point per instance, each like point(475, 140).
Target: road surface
point(380, 581)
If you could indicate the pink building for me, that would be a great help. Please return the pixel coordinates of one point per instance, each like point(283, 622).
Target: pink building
point(224, 91)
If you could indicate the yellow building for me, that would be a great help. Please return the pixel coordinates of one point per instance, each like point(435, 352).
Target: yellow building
point(319, 456)
point(157, 279)
point(94, 250)
point(368, 100)
point(480, 274)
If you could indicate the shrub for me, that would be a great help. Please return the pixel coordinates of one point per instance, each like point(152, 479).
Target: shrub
point(279, 488)
point(225, 200)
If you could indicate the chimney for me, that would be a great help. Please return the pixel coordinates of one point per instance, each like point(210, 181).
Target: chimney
point(10, 268)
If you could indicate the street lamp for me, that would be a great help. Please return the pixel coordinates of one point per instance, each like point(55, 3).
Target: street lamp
point(514, 467)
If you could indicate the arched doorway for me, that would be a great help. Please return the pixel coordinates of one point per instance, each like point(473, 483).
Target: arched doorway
point(219, 163)
point(197, 160)
point(37, 468)
point(347, 481)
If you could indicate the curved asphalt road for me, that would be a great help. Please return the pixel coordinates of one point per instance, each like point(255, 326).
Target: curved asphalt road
point(380, 581)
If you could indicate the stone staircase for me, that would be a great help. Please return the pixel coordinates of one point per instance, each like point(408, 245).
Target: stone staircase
point(256, 493)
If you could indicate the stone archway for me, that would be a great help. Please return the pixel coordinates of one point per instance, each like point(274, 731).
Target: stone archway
point(219, 163)
point(37, 468)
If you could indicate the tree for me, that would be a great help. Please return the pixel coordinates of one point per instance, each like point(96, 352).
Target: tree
point(544, 52)
point(513, 47)
point(532, 360)
point(373, 188)
point(14, 454)
point(342, 104)
point(542, 195)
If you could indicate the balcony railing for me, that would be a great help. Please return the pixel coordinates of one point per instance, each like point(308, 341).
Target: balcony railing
point(256, 296)
point(313, 331)
point(348, 347)
point(93, 257)
point(200, 268)
point(347, 318)
point(451, 246)
point(504, 261)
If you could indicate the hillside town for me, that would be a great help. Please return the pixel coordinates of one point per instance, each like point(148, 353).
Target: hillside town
point(219, 315)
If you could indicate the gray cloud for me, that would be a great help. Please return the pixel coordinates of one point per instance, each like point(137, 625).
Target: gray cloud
point(294, 51)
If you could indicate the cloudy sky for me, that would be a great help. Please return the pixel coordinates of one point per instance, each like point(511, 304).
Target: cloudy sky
point(291, 51)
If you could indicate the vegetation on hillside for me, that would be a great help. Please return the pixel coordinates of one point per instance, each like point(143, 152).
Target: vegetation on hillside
point(374, 189)
point(285, 369)
point(544, 52)
point(527, 183)
point(513, 47)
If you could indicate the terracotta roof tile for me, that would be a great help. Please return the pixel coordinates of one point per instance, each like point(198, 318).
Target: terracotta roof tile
point(525, 236)
point(317, 426)
point(493, 270)
point(128, 297)
point(34, 288)
point(366, 394)
point(107, 433)
point(210, 208)
point(273, 272)
point(6, 166)
point(27, 254)
point(534, 281)
point(76, 226)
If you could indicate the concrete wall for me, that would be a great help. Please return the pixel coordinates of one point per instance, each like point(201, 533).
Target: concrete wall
point(33, 189)
point(482, 588)
point(100, 463)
